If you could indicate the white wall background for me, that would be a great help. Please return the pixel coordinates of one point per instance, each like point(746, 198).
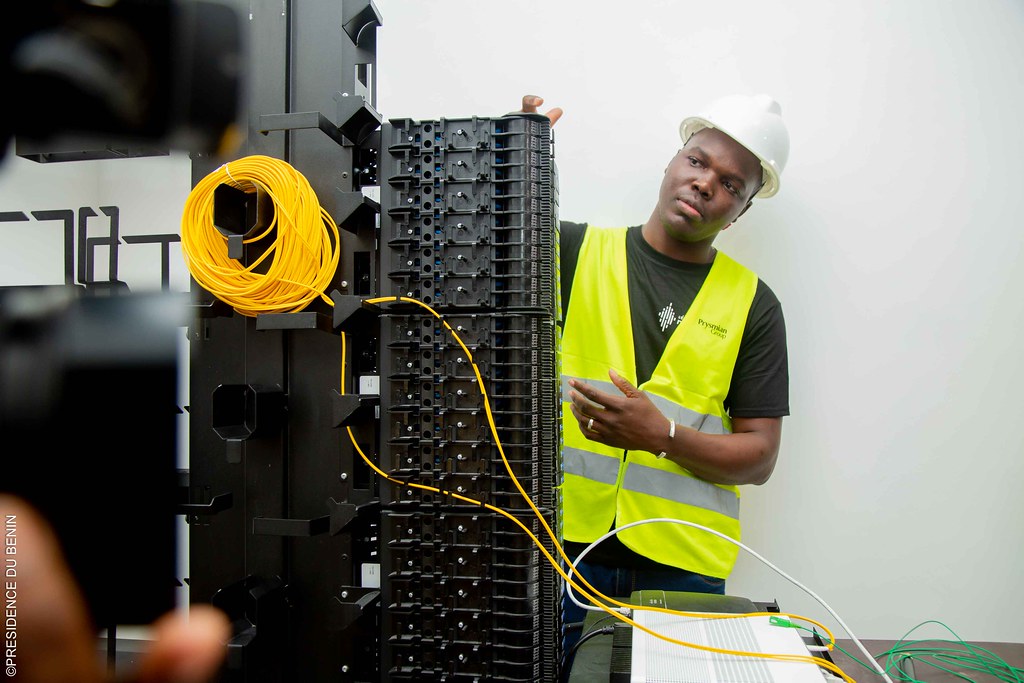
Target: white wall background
point(894, 246)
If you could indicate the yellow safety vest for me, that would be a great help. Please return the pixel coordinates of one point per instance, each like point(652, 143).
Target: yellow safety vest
point(603, 485)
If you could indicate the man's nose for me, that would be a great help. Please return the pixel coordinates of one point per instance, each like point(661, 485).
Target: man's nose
point(701, 184)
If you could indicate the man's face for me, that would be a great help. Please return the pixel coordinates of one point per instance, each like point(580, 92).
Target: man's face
point(707, 186)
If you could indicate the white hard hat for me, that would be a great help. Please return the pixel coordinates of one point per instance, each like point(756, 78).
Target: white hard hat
point(753, 121)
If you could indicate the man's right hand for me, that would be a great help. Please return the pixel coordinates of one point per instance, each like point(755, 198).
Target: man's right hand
point(530, 104)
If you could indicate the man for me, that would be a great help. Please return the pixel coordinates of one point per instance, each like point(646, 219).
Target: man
point(674, 362)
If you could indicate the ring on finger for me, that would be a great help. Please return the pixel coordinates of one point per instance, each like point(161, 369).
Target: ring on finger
point(590, 424)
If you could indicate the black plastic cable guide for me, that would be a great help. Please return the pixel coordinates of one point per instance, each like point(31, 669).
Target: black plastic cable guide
point(188, 505)
point(357, 119)
point(351, 312)
point(243, 411)
point(360, 503)
point(257, 608)
point(238, 214)
point(269, 526)
point(205, 310)
point(302, 120)
point(350, 409)
point(301, 320)
point(364, 15)
point(354, 211)
point(340, 515)
point(350, 604)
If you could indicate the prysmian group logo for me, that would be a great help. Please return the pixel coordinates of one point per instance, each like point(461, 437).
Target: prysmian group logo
point(714, 329)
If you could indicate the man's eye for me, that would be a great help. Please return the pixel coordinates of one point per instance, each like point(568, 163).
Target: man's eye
point(694, 161)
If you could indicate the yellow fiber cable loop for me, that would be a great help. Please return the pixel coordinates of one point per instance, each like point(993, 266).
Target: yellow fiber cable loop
point(298, 265)
point(494, 431)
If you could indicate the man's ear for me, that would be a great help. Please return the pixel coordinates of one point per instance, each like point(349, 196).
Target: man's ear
point(678, 152)
point(738, 215)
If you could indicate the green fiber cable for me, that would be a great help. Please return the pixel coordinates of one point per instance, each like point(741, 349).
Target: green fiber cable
point(977, 658)
point(910, 646)
point(955, 655)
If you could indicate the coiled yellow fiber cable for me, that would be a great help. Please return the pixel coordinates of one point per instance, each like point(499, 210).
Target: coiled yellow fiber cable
point(302, 259)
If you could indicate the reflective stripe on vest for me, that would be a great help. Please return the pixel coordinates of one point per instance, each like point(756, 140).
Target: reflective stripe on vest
point(604, 485)
point(652, 481)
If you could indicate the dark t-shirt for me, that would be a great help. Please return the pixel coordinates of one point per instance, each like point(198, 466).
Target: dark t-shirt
point(660, 291)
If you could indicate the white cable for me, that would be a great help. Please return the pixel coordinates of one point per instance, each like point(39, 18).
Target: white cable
point(784, 575)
